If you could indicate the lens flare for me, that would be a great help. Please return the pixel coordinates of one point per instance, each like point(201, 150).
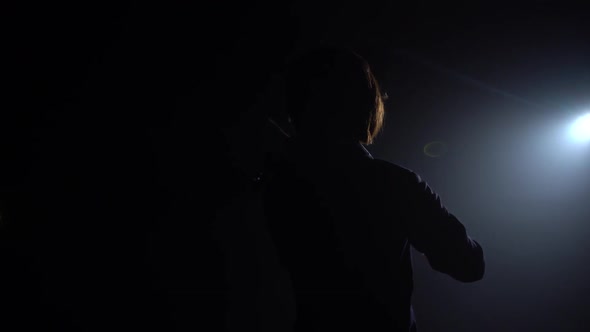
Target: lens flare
point(435, 149)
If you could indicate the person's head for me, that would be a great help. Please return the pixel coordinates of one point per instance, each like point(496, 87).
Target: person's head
point(332, 94)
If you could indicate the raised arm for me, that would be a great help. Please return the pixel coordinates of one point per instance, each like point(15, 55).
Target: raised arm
point(441, 237)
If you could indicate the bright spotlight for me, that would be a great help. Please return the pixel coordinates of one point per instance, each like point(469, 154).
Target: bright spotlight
point(580, 130)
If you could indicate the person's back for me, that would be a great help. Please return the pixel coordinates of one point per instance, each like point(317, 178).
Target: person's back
point(343, 224)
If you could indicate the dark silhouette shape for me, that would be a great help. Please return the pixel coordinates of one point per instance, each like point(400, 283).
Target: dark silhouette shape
point(343, 222)
point(108, 199)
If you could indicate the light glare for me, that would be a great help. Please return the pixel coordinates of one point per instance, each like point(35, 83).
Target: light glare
point(580, 130)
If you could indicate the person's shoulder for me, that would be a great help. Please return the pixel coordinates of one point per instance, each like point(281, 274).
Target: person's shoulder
point(401, 178)
point(395, 170)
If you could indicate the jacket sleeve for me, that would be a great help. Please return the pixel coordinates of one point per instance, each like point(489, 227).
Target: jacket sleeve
point(441, 237)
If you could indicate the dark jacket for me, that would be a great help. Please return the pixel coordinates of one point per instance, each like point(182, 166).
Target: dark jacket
point(343, 223)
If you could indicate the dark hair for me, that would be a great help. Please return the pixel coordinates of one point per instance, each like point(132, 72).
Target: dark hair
point(332, 90)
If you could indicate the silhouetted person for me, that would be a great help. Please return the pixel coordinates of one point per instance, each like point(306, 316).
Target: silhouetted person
point(344, 222)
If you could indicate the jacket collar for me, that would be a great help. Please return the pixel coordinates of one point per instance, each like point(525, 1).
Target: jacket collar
point(300, 147)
